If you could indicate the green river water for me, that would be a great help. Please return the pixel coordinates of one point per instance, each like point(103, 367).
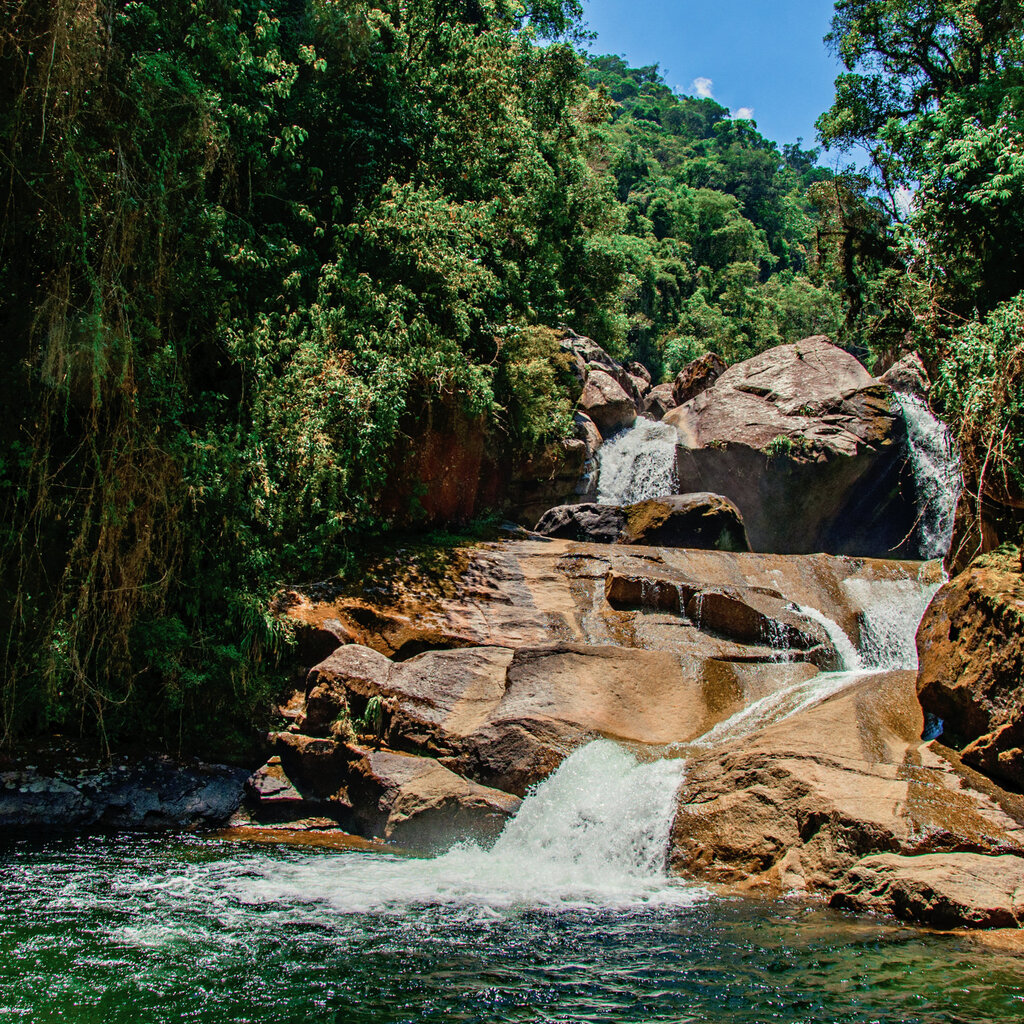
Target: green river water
point(571, 917)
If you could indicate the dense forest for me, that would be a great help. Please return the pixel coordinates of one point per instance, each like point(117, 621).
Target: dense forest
point(244, 244)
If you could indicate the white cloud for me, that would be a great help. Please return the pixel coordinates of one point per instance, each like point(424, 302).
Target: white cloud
point(702, 87)
point(743, 114)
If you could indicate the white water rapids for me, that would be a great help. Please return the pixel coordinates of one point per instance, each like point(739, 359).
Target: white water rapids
point(595, 834)
point(637, 463)
point(936, 474)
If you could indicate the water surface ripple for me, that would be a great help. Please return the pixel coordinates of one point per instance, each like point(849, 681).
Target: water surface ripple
point(116, 929)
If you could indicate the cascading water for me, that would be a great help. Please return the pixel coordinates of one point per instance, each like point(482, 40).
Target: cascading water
point(849, 656)
point(891, 611)
point(592, 835)
point(637, 463)
point(936, 473)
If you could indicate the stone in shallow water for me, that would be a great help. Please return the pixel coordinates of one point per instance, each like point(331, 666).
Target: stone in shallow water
point(950, 890)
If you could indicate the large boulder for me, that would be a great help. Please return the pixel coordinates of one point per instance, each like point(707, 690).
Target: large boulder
point(658, 401)
point(606, 403)
point(953, 890)
point(810, 449)
point(418, 803)
point(908, 376)
point(448, 467)
point(600, 524)
point(706, 521)
point(971, 666)
point(151, 794)
point(798, 803)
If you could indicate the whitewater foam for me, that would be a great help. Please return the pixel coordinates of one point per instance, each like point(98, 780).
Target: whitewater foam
point(638, 463)
point(936, 474)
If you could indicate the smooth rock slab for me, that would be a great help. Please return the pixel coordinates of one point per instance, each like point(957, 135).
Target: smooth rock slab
point(952, 890)
point(418, 803)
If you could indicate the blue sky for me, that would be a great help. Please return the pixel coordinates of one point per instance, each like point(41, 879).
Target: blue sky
point(761, 56)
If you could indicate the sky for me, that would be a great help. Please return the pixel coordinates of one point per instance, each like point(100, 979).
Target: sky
point(760, 58)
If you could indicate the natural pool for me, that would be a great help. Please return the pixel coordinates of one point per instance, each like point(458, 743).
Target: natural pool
point(117, 930)
point(134, 929)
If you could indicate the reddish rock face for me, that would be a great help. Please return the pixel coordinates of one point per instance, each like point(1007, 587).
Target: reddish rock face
point(971, 675)
point(807, 445)
point(448, 471)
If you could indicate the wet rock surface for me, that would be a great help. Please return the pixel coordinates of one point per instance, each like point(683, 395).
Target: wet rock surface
point(971, 666)
point(526, 650)
point(799, 805)
point(153, 794)
point(954, 890)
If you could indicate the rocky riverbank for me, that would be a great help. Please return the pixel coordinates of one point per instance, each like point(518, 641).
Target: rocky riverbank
point(818, 759)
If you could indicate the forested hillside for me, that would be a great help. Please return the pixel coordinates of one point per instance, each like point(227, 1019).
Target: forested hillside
point(245, 247)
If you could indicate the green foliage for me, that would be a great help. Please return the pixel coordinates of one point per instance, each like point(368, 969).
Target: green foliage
point(934, 90)
point(722, 254)
point(239, 243)
point(779, 447)
point(245, 248)
point(980, 384)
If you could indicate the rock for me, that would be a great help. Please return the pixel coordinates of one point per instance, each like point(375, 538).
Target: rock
point(607, 404)
point(697, 377)
point(705, 521)
point(908, 376)
point(273, 797)
point(587, 432)
point(954, 890)
point(971, 666)
point(659, 400)
point(352, 668)
point(808, 446)
point(419, 804)
point(640, 386)
point(539, 481)
point(640, 372)
point(797, 804)
point(528, 593)
point(152, 794)
point(601, 524)
point(28, 800)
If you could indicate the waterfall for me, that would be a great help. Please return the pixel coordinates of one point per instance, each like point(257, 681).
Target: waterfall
point(594, 834)
point(936, 474)
point(849, 656)
point(637, 463)
point(891, 611)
